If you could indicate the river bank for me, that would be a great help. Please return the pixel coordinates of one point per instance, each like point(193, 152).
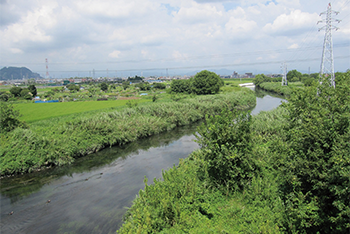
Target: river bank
point(108, 179)
point(283, 171)
point(59, 141)
point(278, 89)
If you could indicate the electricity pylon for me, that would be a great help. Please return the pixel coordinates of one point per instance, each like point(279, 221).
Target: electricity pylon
point(284, 77)
point(327, 62)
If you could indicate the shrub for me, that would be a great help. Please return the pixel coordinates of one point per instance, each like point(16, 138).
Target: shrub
point(9, 118)
point(206, 82)
point(226, 144)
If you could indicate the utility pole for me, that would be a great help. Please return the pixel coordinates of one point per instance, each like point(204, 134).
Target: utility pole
point(284, 77)
point(327, 62)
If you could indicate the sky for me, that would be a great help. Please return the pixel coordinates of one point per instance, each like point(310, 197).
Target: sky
point(169, 37)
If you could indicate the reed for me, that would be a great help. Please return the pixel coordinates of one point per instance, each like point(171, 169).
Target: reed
point(60, 140)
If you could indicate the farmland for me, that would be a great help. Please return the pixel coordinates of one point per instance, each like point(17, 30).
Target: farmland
point(40, 111)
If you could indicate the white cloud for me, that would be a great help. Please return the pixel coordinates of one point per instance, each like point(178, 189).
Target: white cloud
point(197, 13)
point(16, 51)
point(160, 33)
point(297, 22)
point(293, 46)
point(115, 54)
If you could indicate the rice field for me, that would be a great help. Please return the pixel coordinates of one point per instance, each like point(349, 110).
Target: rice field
point(39, 111)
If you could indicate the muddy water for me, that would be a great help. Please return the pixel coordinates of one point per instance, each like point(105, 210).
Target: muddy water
point(91, 195)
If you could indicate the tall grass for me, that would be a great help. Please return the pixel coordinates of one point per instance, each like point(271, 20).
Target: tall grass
point(58, 141)
point(279, 89)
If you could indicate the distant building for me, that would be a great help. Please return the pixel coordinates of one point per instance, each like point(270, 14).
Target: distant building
point(249, 75)
point(235, 74)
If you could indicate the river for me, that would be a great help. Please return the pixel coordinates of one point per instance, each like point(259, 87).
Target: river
point(91, 195)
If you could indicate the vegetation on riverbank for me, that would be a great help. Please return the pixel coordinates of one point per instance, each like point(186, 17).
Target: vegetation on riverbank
point(58, 141)
point(277, 88)
point(284, 171)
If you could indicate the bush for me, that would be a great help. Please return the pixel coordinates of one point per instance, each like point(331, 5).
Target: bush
point(316, 165)
point(206, 82)
point(226, 144)
point(181, 86)
point(9, 118)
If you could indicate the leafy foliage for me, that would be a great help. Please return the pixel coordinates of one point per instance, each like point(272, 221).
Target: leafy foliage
point(293, 76)
point(159, 86)
point(16, 91)
point(33, 90)
point(104, 86)
point(144, 86)
point(226, 144)
point(9, 118)
point(317, 158)
point(73, 87)
point(259, 79)
point(206, 82)
point(181, 86)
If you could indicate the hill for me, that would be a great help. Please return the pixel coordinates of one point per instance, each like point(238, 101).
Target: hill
point(17, 73)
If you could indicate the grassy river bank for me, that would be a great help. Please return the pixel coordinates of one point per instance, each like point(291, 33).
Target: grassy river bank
point(58, 141)
point(283, 171)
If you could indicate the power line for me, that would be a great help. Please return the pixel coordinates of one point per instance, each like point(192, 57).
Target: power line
point(206, 66)
point(262, 52)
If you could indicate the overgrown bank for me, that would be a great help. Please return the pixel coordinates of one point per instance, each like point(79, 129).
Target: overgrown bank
point(284, 171)
point(59, 140)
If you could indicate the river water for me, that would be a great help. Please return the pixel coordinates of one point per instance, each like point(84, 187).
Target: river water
point(91, 195)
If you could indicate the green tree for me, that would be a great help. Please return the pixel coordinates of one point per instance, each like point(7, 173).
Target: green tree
point(104, 86)
point(25, 93)
point(92, 90)
point(73, 87)
point(260, 78)
point(4, 96)
point(181, 86)
point(206, 82)
point(144, 86)
point(292, 74)
point(32, 89)
point(9, 118)
point(159, 86)
point(125, 85)
point(16, 91)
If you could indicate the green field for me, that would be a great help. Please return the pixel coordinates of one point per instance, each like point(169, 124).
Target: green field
point(38, 111)
point(237, 81)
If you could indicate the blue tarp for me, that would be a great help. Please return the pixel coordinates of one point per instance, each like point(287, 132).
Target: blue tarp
point(50, 101)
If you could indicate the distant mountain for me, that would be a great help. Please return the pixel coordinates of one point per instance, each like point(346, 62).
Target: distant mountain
point(17, 73)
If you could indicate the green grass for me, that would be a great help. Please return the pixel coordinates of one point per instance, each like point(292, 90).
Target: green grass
point(238, 81)
point(39, 111)
point(279, 89)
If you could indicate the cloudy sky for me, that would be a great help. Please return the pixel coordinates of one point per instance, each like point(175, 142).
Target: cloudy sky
point(128, 37)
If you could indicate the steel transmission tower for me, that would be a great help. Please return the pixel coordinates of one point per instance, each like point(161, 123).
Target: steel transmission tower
point(47, 68)
point(327, 63)
point(284, 77)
